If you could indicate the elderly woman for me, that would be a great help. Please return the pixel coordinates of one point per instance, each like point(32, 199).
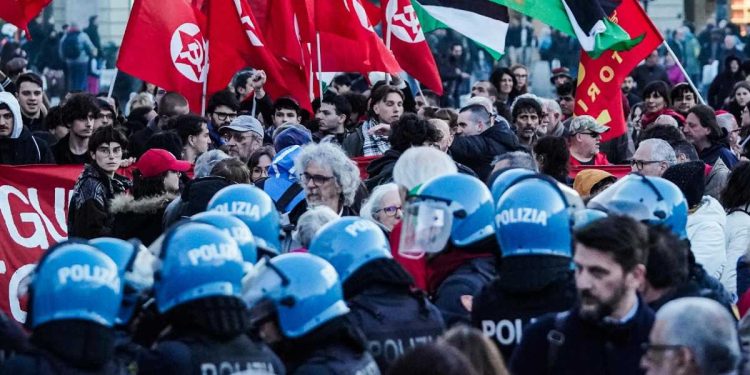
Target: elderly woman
point(383, 207)
point(328, 177)
point(309, 223)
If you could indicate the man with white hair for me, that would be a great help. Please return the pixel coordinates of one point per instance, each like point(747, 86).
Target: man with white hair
point(692, 335)
point(653, 157)
point(481, 137)
point(552, 118)
point(728, 122)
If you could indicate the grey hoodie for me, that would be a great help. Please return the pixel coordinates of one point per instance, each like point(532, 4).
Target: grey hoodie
point(15, 108)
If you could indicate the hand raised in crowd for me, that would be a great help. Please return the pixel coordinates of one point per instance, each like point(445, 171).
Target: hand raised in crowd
point(381, 129)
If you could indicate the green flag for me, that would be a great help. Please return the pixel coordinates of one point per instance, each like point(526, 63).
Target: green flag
point(586, 20)
point(482, 21)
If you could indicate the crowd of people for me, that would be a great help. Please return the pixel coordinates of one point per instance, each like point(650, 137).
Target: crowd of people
point(486, 235)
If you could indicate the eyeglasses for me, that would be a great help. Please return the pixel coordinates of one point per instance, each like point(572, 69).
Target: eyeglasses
point(261, 170)
point(641, 163)
point(591, 134)
point(224, 116)
point(315, 178)
point(239, 137)
point(650, 349)
point(390, 210)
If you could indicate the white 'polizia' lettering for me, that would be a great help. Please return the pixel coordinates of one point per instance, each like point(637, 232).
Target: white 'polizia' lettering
point(522, 215)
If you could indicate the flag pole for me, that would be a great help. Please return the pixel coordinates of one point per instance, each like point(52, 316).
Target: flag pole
point(203, 92)
point(684, 73)
point(419, 90)
point(387, 43)
point(320, 65)
point(112, 84)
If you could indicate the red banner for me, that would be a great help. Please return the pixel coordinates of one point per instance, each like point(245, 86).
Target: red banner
point(599, 80)
point(34, 209)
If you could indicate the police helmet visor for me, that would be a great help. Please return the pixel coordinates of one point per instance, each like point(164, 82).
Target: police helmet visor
point(426, 226)
point(263, 282)
point(619, 200)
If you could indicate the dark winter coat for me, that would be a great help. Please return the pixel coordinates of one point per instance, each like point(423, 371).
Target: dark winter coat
point(515, 299)
point(478, 151)
point(26, 149)
point(380, 170)
point(139, 218)
point(588, 347)
point(88, 214)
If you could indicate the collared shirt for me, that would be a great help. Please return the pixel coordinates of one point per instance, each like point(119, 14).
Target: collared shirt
point(626, 318)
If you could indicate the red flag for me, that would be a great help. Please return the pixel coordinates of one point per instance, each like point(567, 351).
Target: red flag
point(236, 42)
point(20, 12)
point(409, 45)
point(599, 80)
point(289, 35)
point(164, 45)
point(348, 42)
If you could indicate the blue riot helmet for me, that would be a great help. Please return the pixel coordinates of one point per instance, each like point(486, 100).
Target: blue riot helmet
point(135, 265)
point(652, 200)
point(74, 281)
point(533, 217)
point(455, 206)
point(234, 227)
point(122, 252)
point(256, 209)
point(197, 261)
point(587, 216)
point(302, 290)
point(349, 243)
point(506, 179)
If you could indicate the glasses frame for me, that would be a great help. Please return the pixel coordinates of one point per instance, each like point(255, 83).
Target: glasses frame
point(317, 179)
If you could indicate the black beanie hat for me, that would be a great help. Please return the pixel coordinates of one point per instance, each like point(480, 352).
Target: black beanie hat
point(690, 178)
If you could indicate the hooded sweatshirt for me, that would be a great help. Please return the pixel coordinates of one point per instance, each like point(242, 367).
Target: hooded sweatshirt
point(21, 147)
point(283, 186)
point(705, 230)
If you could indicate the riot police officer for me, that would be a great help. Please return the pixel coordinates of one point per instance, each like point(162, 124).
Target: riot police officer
point(299, 309)
point(450, 219)
point(656, 201)
point(74, 297)
point(256, 209)
point(198, 290)
point(533, 224)
point(377, 289)
point(135, 265)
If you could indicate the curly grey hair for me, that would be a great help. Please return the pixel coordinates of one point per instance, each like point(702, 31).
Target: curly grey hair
point(332, 157)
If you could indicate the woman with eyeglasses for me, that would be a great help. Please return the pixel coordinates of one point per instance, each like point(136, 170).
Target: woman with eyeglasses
point(383, 207)
point(156, 182)
point(259, 163)
point(328, 177)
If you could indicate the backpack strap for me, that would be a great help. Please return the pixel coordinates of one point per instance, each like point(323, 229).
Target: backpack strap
point(743, 210)
point(556, 339)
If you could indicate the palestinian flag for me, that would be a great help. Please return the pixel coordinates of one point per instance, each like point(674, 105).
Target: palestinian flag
point(587, 20)
point(482, 21)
